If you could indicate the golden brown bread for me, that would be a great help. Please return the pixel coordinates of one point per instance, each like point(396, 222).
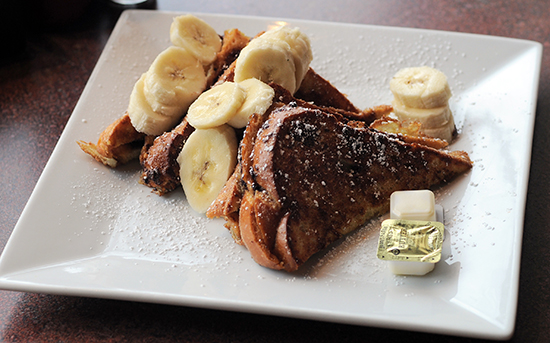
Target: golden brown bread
point(232, 44)
point(317, 90)
point(158, 159)
point(118, 143)
point(228, 203)
point(409, 131)
point(309, 177)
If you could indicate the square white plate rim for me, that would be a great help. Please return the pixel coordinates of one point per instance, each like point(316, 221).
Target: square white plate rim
point(99, 256)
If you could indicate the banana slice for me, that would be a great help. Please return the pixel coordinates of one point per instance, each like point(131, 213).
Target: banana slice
point(196, 36)
point(259, 97)
point(216, 106)
point(174, 80)
point(144, 119)
point(421, 87)
point(428, 117)
point(160, 108)
point(268, 63)
point(300, 48)
point(445, 131)
point(206, 161)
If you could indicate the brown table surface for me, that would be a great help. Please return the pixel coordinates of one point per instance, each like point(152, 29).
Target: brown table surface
point(46, 62)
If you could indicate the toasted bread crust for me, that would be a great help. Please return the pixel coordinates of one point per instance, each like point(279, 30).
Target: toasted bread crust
point(408, 131)
point(321, 92)
point(118, 143)
point(159, 160)
point(232, 44)
point(228, 203)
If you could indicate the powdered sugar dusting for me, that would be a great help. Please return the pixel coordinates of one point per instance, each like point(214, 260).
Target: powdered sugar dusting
point(129, 220)
point(353, 258)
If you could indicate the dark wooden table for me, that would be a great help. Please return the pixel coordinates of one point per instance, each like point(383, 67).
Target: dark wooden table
point(47, 57)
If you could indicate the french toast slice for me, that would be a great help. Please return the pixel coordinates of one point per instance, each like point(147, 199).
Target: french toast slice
point(158, 159)
point(320, 91)
point(227, 204)
point(308, 177)
point(118, 143)
point(409, 131)
point(233, 42)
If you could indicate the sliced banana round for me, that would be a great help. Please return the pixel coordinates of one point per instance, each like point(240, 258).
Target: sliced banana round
point(174, 79)
point(196, 36)
point(160, 108)
point(206, 161)
point(268, 63)
point(444, 132)
point(144, 119)
point(259, 96)
point(428, 117)
point(216, 106)
point(421, 87)
point(299, 44)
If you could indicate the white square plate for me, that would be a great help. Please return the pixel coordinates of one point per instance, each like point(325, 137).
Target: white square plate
point(88, 230)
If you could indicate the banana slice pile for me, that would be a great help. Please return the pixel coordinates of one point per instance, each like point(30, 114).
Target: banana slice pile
point(209, 155)
point(176, 77)
point(422, 94)
point(230, 103)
